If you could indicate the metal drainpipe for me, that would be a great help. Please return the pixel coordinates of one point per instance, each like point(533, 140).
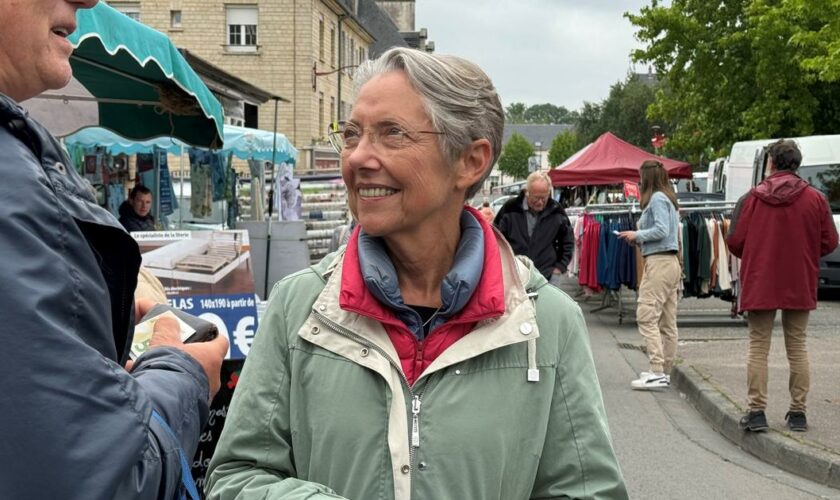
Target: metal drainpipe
point(341, 19)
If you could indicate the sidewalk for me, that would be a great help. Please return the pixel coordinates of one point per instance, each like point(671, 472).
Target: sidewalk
point(711, 373)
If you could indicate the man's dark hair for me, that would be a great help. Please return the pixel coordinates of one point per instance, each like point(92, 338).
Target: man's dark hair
point(139, 189)
point(785, 154)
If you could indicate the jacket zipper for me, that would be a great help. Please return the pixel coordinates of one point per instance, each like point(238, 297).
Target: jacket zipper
point(416, 399)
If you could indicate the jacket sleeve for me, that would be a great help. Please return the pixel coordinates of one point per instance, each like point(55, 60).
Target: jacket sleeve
point(564, 243)
point(739, 226)
point(578, 460)
point(254, 457)
point(659, 207)
point(76, 424)
point(828, 230)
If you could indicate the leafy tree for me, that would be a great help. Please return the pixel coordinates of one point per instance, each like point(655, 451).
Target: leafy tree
point(742, 69)
point(623, 112)
point(563, 146)
point(588, 125)
point(548, 113)
point(514, 158)
point(518, 112)
point(515, 112)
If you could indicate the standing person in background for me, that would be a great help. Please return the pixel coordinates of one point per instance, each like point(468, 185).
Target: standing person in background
point(76, 424)
point(782, 219)
point(656, 310)
point(486, 212)
point(135, 212)
point(537, 226)
point(399, 366)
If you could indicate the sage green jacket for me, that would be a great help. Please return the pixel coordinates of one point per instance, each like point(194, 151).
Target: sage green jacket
point(322, 410)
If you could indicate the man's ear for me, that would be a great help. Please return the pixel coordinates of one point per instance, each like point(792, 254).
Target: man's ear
point(474, 162)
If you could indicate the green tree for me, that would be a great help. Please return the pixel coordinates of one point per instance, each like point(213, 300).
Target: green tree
point(514, 158)
point(548, 113)
point(515, 112)
point(588, 125)
point(563, 146)
point(624, 113)
point(742, 69)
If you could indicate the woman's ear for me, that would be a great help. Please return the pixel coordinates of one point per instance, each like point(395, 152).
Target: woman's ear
point(474, 163)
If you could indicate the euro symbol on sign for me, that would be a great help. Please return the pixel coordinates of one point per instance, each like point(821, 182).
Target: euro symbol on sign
point(243, 336)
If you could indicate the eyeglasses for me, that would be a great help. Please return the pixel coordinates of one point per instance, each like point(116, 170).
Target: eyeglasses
point(539, 198)
point(347, 136)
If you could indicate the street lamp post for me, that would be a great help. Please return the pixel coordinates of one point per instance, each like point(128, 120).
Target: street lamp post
point(538, 145)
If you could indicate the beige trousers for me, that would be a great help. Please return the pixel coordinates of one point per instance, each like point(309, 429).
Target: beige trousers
point(656, 310)
point(794, 324)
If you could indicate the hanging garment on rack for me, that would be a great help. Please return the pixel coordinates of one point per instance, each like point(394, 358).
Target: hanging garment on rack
point(724, 276)
point(201, 183)
point(588, 276)
point(218, 163)
point(574, 266)
point(116, 195)
point(697, 257)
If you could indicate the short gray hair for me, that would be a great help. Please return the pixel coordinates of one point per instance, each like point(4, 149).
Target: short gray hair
point(537, 176)
point(459, 98)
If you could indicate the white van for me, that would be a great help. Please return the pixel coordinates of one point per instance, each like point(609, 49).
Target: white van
point(735, 176)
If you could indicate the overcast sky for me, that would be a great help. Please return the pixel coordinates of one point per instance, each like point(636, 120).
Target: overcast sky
point(563, 52)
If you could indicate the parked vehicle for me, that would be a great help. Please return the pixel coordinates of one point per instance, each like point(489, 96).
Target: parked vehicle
point(737, 171)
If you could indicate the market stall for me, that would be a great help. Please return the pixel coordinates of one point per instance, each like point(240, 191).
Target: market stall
point(131, 79)
point(610, 160)
point(256, 146)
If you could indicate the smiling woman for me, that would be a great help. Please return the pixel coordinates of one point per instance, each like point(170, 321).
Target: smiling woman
point(424, 335)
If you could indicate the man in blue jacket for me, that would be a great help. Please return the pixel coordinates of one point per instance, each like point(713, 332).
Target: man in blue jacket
point(537, 226)
point(76, 423)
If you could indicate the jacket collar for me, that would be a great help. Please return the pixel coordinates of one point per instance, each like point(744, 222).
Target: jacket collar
point(380, 276)
point(514, 320)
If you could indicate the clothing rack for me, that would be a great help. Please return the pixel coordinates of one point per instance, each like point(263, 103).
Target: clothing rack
point(708, 317)
point(613, 298)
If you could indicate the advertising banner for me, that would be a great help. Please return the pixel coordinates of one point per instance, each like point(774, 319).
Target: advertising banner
point(207, 274)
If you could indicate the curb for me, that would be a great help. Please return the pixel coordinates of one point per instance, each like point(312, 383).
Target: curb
point(773, 447)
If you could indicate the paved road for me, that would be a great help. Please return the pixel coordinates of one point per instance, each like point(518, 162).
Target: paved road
point(665, 448)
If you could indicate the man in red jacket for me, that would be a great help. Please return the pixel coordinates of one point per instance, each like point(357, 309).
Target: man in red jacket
point(780, 230)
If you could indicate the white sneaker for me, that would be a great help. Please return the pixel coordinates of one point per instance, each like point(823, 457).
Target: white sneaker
point(649, 380)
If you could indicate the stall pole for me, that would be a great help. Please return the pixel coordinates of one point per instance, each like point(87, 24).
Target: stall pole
point(181, 187)
point(270, 201)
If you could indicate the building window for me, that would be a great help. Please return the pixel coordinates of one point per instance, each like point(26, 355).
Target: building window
point(252, 115)
point(321, 38)
point(351, 54)
point(322, 127)
point(242, 27)
point(332, 45)
point(175, 19)
point(332, 109)
point(131, 9)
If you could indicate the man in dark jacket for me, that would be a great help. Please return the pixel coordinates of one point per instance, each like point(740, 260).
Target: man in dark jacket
point(783, 221)
point(135, 212)
point(76, 423)
point(537, 226)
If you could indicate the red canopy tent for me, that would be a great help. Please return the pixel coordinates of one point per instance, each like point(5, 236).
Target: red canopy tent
point(609, 160)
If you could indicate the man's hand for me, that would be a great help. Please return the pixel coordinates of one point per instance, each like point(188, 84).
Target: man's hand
point(167, 333)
